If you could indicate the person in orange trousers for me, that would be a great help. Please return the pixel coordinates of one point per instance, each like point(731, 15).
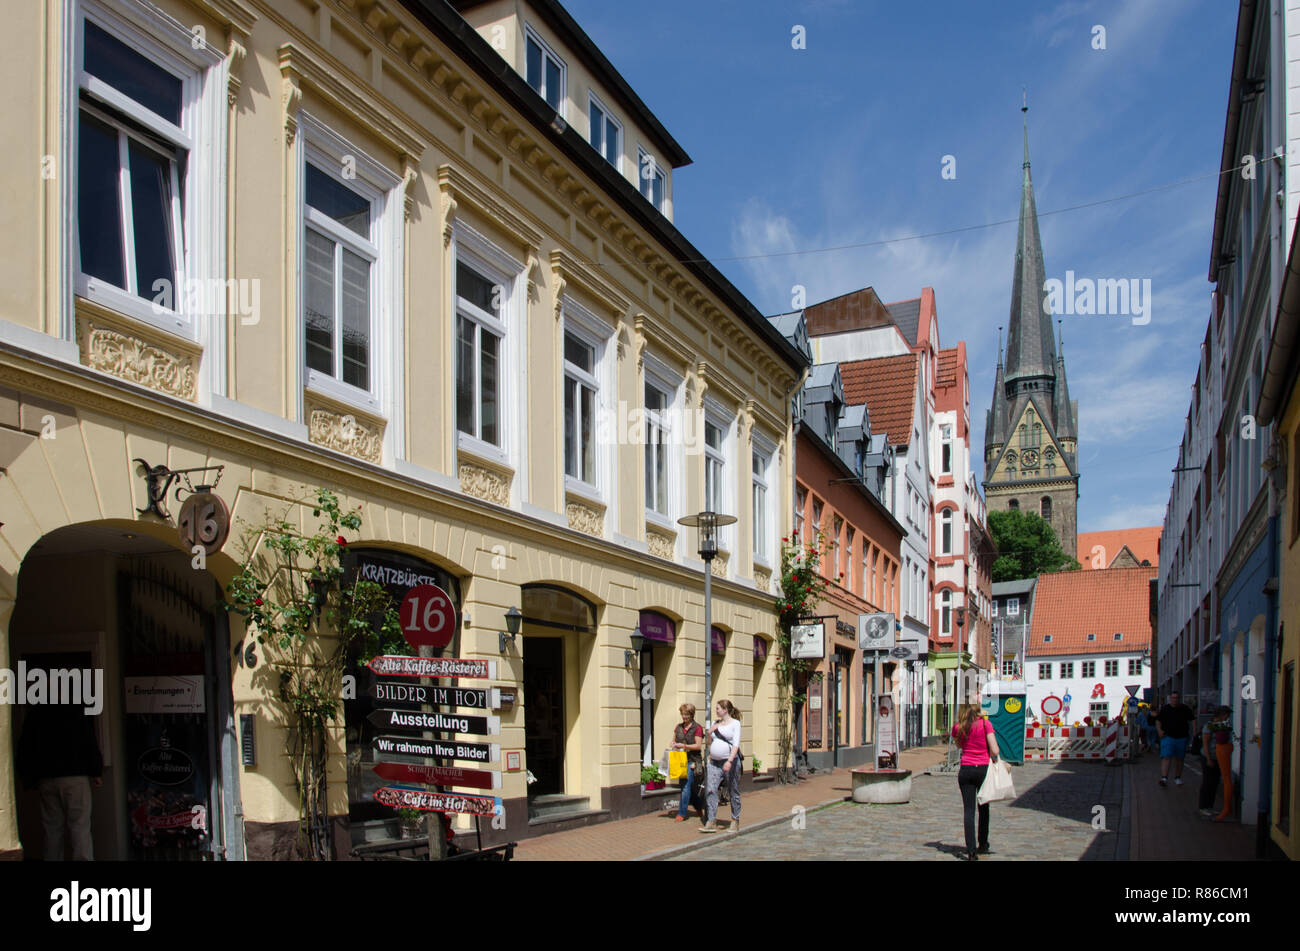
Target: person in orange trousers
point(1222, 729)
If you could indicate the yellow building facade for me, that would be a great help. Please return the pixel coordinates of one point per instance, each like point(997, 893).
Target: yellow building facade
point(422, 260)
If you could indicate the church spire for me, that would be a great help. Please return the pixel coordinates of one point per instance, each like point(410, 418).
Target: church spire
point(1031, 347)
point(995, 427)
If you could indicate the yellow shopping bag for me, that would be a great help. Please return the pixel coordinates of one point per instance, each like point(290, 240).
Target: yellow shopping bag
point(677, 766)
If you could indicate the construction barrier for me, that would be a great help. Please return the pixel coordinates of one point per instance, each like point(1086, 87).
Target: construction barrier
point(1074, 742)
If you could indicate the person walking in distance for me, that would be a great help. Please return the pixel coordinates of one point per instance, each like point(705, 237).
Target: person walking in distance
point(689, 736)
point(724, 764)
point(1173, 724)
point(974, 735)
point(1209, 772)
point(1222, 731)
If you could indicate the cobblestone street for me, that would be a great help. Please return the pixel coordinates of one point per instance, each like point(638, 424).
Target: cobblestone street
point(1051, 818)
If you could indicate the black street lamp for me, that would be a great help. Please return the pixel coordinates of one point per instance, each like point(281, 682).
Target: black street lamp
point(708, 523)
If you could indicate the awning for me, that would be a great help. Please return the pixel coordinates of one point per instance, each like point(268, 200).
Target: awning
point(658, 629)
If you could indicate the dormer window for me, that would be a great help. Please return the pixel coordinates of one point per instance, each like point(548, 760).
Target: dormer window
point(651, 179)
point(545, 71)
point(1047, 638)
point(1092, 637)
point(1119, 637)
point(605, 133)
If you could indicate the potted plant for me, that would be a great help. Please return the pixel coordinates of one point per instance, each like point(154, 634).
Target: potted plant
point(410, 823)
point(758, 765)
point(651, 778)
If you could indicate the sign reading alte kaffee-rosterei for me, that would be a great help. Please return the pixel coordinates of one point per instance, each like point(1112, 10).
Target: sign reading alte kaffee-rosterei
point(390, 665)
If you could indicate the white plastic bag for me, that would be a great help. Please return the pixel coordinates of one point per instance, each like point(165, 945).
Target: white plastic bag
point(997, 784)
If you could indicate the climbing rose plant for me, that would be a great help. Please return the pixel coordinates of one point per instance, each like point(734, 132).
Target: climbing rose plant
point(802, 587)
point(292, 592)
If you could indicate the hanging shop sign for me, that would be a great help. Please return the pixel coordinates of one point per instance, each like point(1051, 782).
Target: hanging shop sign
point(420, 694)
point(400, 797)
point(203, 521)
point(449, 722)
point(876, 632)
point(428, 617)
point(388, 665)
point(438, 775)
point(435, 749)
point(808, 641)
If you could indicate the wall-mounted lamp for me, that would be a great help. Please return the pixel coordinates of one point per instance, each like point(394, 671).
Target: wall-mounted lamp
point(638, 645)
point(514, 617)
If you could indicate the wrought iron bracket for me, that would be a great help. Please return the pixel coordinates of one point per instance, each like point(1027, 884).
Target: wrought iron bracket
point(160, 479)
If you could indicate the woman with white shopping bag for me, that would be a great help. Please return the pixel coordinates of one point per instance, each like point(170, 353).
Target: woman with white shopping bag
point(974, 735)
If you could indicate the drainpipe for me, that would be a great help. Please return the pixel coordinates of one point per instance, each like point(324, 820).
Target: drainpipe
point(795, 424)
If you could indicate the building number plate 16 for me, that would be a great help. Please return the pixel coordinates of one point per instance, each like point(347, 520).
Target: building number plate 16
point(204, 520)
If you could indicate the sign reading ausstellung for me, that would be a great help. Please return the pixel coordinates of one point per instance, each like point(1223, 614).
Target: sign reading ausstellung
point(438, 775)
point(435, 749)
point(450, 722)
point(390, 665)
point(399, 797)
point(489, 698)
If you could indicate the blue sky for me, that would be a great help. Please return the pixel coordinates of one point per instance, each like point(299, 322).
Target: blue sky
point(842, 143)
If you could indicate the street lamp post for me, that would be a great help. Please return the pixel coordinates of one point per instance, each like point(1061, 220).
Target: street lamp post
point(708, 523)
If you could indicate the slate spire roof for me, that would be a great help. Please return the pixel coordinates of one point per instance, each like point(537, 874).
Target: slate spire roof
point(1031, 347)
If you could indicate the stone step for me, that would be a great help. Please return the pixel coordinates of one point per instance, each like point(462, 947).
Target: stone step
point(550, 806)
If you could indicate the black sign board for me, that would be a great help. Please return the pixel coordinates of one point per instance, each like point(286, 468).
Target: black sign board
point(420, 721)
point(386, 746)
point(408, 694)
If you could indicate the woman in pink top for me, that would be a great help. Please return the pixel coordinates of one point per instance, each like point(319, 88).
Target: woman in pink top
point(974, 735)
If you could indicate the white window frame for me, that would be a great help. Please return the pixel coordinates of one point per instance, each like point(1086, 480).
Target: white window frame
point(1107, 666)
point(1099, 708)
point(663, 379)
point(945, 442)
point(1135, 667)
point(764, 543)
point(199, 221)
point(1067, 670)
point(945, 612)
point(1045, 671)
point(319, 145)
point(608, 115)
point(945, 532)
point(500, 267)
point(1086, 671)
point(1013, 607)
point(595, 333)
point(715, 414)
point(643, 181)
point(531, 34)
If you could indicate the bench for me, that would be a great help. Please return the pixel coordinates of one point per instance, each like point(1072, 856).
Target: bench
point(881, 785)
point(417, 850)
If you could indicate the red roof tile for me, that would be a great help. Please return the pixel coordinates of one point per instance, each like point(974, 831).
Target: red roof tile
point(1144, 543)
point(949, 366)
point(888, 386)
point(1070, 605)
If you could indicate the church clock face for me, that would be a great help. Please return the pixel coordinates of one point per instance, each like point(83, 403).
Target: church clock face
point(1029, 458)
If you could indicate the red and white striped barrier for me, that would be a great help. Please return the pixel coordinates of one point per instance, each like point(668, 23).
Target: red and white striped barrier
point(1073, 742)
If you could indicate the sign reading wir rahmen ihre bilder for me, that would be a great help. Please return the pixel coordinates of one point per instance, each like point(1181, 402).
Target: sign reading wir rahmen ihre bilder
point(420, 694)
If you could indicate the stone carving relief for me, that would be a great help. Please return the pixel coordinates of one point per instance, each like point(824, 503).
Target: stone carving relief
point(660, 545)
point(344, 432)
point(719, 564)
point(484, 484)
point(762, 579)
point(586, 519)
point(139, 361)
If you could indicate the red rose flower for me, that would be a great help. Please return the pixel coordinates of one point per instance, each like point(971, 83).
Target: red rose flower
point(257, 601)
point(341, 540)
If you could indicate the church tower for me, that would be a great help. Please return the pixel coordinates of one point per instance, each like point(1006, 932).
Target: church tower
point(1032, 427)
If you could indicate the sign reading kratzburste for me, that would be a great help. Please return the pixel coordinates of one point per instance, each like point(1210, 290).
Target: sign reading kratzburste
point(390, 665)
point(400, 797)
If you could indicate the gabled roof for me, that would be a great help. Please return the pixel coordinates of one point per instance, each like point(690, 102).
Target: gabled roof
point(1070, 605)
point(1144, 543)
point(1023, 586)
point(856, 310)
point(888, 386)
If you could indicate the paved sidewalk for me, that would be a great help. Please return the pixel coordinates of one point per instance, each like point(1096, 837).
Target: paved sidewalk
point(658, 835)
point(1166, 825)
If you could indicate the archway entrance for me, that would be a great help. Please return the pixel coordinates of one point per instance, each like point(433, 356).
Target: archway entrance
point(554, 620)
point(148, 634)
